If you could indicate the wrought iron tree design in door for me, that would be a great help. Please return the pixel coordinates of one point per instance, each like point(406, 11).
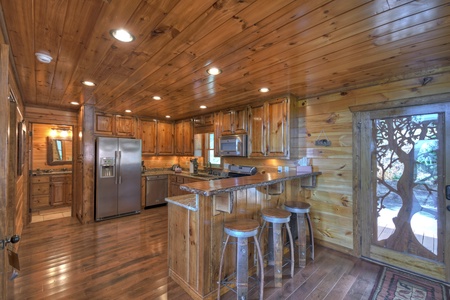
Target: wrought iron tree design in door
point(408, 160)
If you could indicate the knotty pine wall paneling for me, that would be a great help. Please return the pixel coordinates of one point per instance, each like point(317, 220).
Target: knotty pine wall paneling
point(333, 209)
point(4, 148)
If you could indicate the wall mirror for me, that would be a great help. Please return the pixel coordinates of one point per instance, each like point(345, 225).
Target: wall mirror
point(59, 150)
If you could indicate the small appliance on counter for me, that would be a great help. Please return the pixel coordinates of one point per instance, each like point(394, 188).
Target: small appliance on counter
point(239, 171)
point(176, 168)
point(193, 166)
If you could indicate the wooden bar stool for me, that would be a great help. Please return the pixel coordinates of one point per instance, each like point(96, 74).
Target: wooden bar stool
point(242, 229)
point(301, 209)
point(278, 217)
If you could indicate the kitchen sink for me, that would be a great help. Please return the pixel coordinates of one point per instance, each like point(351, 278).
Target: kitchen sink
point(203, 175)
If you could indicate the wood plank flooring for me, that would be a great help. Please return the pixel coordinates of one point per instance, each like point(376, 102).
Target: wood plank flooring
point(126, 258)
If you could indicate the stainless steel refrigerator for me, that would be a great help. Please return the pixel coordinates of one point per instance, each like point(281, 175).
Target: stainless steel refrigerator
point(118, 177)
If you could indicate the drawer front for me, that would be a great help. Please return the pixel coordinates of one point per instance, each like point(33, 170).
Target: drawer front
point(39, 179)
point(58, 178)
point(40, 189)
point(180, 179)
point(39, 202)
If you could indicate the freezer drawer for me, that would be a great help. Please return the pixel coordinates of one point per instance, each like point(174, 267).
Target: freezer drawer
point(156, 190)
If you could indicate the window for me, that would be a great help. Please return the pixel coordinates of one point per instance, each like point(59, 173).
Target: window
point(204, 147)
point(209, 151)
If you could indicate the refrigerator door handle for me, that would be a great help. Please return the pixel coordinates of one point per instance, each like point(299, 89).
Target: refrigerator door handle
point(118, 158)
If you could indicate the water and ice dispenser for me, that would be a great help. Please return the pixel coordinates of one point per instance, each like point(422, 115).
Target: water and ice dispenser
point(108, 167)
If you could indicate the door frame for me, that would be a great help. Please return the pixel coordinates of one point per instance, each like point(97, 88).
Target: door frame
point(360, 117)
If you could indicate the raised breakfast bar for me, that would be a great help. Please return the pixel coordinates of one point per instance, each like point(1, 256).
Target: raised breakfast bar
point(196, 221)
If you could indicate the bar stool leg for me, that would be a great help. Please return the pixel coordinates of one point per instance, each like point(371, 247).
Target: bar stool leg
point(242, 266)
point(261, 266)
point(291, 245)
point(220, 266)
point(278, 254)
point(301, 232)
point(311, 236)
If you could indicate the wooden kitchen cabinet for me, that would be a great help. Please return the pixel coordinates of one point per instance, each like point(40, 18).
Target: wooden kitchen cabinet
point(125, 126)
point(184, 137)
point(234, 121)
point(148, 136)
point(269, 129)
point(157, 137)
point(205, 120)
point(104, 124)
point(174, 184)
point(165, 140)
point(114, 125)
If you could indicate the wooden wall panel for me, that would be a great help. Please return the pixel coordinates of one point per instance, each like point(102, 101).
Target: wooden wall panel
point(50, 116)
point(39, 148)
point(332, 200)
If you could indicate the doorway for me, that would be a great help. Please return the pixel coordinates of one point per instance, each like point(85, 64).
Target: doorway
point(51, 162)
point(403, 212)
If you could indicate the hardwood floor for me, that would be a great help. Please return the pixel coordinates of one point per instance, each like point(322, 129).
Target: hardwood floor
point(126, 258)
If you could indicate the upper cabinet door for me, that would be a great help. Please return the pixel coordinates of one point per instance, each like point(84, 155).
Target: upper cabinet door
point(269, 129)
point(165, 139)
point(188, 137)
point(256, 138)
point(184, 137)
point(148, 136)
point(277, 127)
point(104, 124)
point(227, 122)
point(240, 121)
point(126, 126)
point(234, 121)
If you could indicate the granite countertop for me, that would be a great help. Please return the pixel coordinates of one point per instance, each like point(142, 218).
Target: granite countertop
point(213, 187)
point(200, 176)
point(50, 172)
point(187, 201)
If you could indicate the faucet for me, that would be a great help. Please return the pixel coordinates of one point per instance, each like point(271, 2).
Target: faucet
point(210, 168)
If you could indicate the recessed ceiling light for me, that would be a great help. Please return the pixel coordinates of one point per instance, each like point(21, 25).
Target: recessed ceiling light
point(74, 103)
point(202, 106)
point(214, 71)
point(43, 58)
point(122, 35)
point(127, 110)
point(264, 90)
point(168, 117)
point(157, 98)
point(88, 83)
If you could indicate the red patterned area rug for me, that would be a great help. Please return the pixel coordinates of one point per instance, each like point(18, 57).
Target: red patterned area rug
point(396, 285)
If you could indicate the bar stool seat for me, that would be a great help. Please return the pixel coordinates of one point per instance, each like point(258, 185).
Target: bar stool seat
point(278, 217)
point(242, 229)
point(301, 209)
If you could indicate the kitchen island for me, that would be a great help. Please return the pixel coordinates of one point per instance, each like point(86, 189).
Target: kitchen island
point(196, 223)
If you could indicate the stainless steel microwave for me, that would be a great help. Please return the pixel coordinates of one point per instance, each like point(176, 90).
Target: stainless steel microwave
point(233, 145)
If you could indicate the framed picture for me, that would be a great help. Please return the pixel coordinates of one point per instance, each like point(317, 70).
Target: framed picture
point(21, 135)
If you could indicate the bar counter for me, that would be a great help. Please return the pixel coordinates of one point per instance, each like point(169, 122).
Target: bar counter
point(195, 223)
point(214, 187)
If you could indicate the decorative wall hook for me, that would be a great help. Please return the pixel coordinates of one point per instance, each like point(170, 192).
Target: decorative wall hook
point(324, 141)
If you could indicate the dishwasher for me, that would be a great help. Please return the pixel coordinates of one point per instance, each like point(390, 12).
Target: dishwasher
point(156, 190)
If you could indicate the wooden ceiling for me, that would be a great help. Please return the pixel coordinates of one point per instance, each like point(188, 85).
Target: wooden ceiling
point(304, 48)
